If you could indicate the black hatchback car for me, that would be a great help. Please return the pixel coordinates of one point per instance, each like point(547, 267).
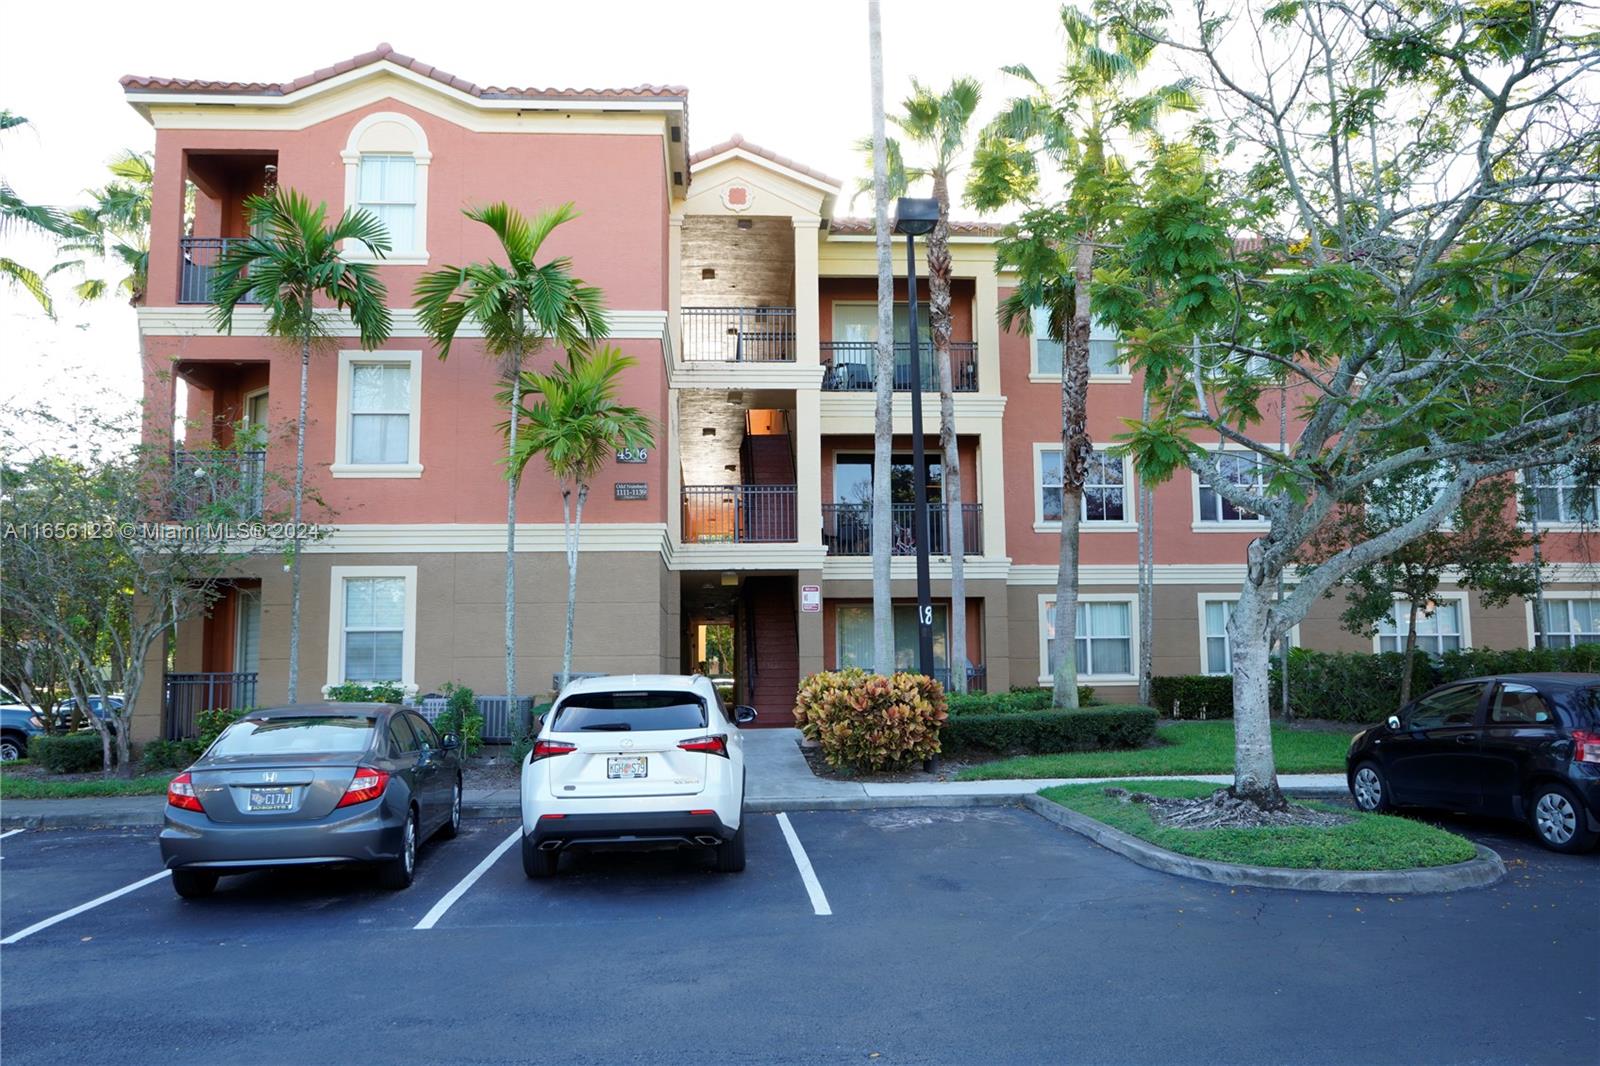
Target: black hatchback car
point(1523, 746)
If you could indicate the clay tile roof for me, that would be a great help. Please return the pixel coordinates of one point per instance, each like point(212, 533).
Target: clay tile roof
point(384, 52)
point(738, 141)
point(958, 228)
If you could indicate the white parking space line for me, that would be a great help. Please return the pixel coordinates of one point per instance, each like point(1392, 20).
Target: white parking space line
point(819, 900)
point(80, 908)
point(11, 833)
point(431, 919)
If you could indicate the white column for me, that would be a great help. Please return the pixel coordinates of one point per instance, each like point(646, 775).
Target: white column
point(808, 462)
point(806, 307)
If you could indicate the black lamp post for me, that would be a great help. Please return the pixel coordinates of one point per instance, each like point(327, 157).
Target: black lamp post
point(916, 218)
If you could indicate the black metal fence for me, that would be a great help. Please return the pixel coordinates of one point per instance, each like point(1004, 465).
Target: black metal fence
point(739, 514)
point(221, 483)
point(738, 334)
point(847, 528)
point(186, 695)
point(197, 265)
point(850, 366)
point(977, 677)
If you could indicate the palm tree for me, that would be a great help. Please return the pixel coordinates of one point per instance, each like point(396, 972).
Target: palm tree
point(938, 122)
point(115, 225)
point(883, 660)
point(18, 216)
point(290, 260)
point(1074, 124)
point(576, 424)
point(519, 307)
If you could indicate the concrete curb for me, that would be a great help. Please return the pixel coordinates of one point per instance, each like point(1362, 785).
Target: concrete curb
point(1480, 872)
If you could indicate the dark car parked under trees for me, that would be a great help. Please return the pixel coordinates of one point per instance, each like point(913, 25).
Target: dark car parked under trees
point(1523, 746)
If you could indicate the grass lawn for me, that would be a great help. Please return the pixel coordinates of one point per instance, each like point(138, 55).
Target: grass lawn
point(19, 787)
point(1368, 842)
point(1184, 748)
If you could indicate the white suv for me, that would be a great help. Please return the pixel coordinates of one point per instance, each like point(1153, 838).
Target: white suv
point(649, 761)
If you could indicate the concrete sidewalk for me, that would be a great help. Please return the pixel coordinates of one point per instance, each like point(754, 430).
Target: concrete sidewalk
point(779, 780)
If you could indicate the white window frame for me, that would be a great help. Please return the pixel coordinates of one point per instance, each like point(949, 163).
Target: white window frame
point(1463, 612)
point(342, 466)
point(1047, 606)
point(1124, 375)
point(364, 141)
point(1130, 520)
point(1203, 598)
point(1565, 525)
point(1592, 595)
point(1205, 525)
point(337, 576)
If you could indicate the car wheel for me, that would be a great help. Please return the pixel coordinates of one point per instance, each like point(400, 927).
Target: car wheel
point(452, 825)
point(12, 749)
point(193, 884)
point(1369, 789)
point(730, 853)
point(398, 871)
point(1559, 819)
point(538, 864)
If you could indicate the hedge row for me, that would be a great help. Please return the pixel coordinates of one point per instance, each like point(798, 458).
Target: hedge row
point(1018, 699)
point(1043, 732)
point(72, 753)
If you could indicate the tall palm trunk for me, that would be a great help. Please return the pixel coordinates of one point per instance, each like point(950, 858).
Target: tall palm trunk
point(1147, 575)
point(299, 508)
point(1075, 450)
point(883, 411)
point(572, 520)
point(939, 318)
point(512, 481)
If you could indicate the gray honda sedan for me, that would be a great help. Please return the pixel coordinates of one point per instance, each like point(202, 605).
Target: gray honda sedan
point(313, 784)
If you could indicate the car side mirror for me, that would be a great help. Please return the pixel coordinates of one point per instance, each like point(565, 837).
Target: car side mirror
point(1394, 721)
point(744, 715)
point(449, 742)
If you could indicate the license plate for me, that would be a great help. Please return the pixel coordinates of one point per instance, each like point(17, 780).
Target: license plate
point(621, 767)
point(270, 799)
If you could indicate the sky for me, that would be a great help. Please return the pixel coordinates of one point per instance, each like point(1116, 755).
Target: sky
point(793, 78)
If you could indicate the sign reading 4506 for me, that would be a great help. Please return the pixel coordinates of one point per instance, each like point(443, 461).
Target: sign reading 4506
point(633, 455)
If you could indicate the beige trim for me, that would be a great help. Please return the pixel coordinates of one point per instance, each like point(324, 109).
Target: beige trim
point(859, 568)
point(1128, 574)
point(194, 320)
point(342, 466)
point(337, 575)
point(1131, 599)
point(763, 163)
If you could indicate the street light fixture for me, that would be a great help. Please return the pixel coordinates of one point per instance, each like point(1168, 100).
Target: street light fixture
point(915, 218)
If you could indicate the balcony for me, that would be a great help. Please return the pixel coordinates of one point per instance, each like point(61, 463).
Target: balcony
point(217, 483)
point(738, 334)
point(847, 529)
point(850, 366)
point(187, 695)
point(197, 265)
point(739, 514)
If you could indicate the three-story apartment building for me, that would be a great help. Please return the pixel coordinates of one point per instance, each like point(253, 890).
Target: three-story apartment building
point(749, 305)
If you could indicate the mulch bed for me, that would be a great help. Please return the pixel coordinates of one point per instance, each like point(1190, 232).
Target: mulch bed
point(1223, 810)
point(948, 768)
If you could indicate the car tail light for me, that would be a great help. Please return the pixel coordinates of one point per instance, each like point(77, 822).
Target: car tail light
point(715, 744)
point(1586, 746)
point(547, 817)
point(180, 793)
point(549, 749)
point(703, 812)
point(367, 784)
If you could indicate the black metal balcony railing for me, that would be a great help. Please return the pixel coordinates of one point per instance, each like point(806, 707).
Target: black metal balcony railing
point(196, 266)
point(850, 366)
point(738, 335)
point(738, 514)
point(847, 529)
point(186, 695)
point(217, 483)
point(977, 677)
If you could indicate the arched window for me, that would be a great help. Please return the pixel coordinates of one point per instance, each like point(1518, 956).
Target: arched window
point(386, 172)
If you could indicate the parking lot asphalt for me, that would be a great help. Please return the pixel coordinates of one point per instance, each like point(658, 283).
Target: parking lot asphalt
point(924, 935)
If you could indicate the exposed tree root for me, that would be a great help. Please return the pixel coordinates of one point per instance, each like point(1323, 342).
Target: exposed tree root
point(1225, 810)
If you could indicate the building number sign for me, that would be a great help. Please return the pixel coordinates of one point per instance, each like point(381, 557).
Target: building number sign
point(633, 455)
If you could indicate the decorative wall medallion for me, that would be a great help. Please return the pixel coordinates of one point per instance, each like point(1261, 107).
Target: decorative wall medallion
point(737, 197)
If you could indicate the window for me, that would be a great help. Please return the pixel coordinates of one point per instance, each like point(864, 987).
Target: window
point(1571, 622)
point(401, 737)
point(1104, 357)
point(1560, 496)
point(426, 734)
point(602, 712)
point(374, 628)
point(855, 636)
point(1105, 637)
point(852, 478)
point(1105, 497)
point(1244, 469)
point(285, 736)
point(379, 427)
point(1215, 615)
point(247, 634)
point(1438, 631)
point(380, 413)
point(1452, 707)
point(857, 323)
point(388, 189)
point(1519, 705)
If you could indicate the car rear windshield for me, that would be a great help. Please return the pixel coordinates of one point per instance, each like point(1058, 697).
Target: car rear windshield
point(593, 712)
point(283, 736)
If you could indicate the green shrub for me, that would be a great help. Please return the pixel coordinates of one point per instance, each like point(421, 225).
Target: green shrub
point(73, 753)
point(1475, 662)
point(869, 722)
point(212, 723)
point(1017, 700)
point(461, 717)
point(1347, 686)
point(377, 692)
point(1193, 696)
point(1044, 732)
point(171, 754)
